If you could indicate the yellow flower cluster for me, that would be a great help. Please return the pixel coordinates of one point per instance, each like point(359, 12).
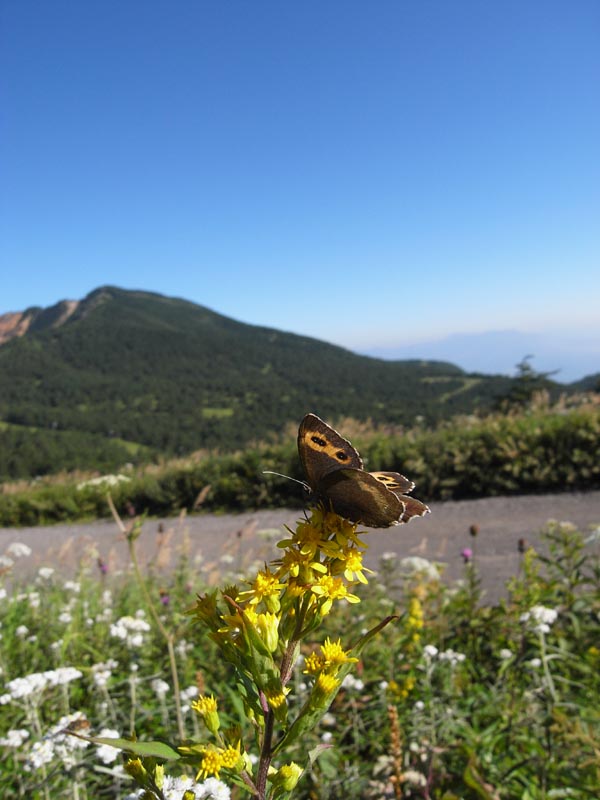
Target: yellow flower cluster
point(213, 759)
point(414, 619)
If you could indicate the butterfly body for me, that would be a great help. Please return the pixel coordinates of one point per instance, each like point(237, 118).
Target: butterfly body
point(335, 475)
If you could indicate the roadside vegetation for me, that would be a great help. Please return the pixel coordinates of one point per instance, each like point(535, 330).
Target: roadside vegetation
point(454, 699)
point(533, 448)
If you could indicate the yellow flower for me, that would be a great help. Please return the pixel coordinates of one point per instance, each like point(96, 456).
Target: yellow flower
point(266, 587)
point(211, 764)
point(207, 708)
point(324, 687)
point(308, 538)
point(231, 757)
point(313, 664)
point(275, 698)
point(415, 614)
point(334, 655)
point(330, 589)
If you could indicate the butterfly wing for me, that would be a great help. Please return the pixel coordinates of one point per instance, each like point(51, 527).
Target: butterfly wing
point(398, 484)
point(360, 497)
point(322, 450)
point(394, 481)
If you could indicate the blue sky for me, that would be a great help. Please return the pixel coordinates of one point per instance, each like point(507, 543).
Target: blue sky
point(372, 174)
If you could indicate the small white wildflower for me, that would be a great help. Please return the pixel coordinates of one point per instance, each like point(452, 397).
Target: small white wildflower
point(419, 705)
point(41, 753)
point(72, 586)
point(213, 789)
point(414, 778)
point(430, 651)
point(390, 555)
point(46, 572)
point(34, 599)
point(329, 720)
point(188, 694)
point(542, 618)
point(6, 562)
point(352, 683)
point(535, 663)
point(415, 565)
point(65, 618)
point(160, 688)
point(130, 629)
point(2, 593)
point(452, 656)
point(106, 753)
point(505, 654)
point(22, 631)
point(326, 736)
point(14, 738)
point(18, 550)
point(227, 558)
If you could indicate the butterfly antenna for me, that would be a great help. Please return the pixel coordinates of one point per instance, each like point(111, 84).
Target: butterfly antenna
point(281, 475)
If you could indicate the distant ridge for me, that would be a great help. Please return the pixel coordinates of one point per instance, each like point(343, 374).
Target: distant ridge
point(169, 376)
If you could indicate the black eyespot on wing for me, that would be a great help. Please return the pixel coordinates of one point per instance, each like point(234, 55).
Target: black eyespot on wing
point(341, 456)
point(318, 441)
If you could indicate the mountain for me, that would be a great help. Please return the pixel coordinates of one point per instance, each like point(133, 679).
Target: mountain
point(131, 373)
point(569, 355)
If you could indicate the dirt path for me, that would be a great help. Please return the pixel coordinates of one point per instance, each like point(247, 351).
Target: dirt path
point(234, 540)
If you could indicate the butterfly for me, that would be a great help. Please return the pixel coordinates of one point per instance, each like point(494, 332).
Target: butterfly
point(335, 475)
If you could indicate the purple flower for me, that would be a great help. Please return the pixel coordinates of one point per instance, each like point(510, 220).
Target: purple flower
point(102, 566)
point(467, 554)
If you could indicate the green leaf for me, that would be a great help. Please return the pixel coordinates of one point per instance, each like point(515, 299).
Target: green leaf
point(144, 749)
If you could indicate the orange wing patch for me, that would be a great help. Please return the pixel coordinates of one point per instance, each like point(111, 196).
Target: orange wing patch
point(319, 443)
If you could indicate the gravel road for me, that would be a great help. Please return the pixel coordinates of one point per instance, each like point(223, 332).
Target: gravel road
point(238, 539)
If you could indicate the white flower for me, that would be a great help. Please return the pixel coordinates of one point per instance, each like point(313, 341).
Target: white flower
point(46, 572)
point(390, 555)
point(72, 586)
point(326, 736)
point(160, 687)
point(350, 682)
point(14, 738)
point(101, 672)
point(103, 481)
point(106, 752)
point(2, 592)
point(22, 631)
point(419, 705)
point(542, 617)
point(65, 617)
point(213, 789)
point(18, 550)
point(40, 754)
point(6, 562)
point(430, 651)
point(452, 656)
point(415, 565)
point(414, 778)
point(505, 654)
point(131, 630)
point(34, 599)
point(189, 693)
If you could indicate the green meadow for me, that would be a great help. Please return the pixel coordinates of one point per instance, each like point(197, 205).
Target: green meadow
point(310, 677)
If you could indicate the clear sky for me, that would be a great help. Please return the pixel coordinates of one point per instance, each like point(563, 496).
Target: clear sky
point(369, 173)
